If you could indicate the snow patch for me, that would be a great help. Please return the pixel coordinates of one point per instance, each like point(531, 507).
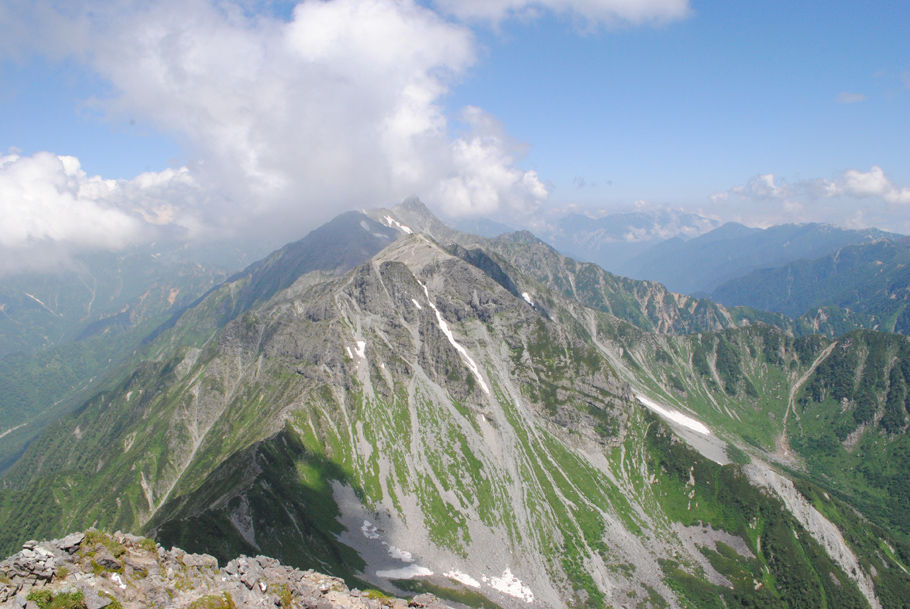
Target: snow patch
point(475, 370)
point(115, 577)
point(348, 349)
point(402, 555)
point(674, 415)
point(527, 298)
point(369, 530)
point(393, 222)
point(360, 350)
point(511, 585)
point(462, 578)
point(409, 572)
point(12, 429)
point(417, 304)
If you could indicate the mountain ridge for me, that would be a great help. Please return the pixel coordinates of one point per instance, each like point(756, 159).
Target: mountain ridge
point(442, 404)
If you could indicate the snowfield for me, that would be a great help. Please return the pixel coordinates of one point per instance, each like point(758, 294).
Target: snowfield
point(674, 415)
point(462, 578)
point(475, 370)
point(396, 224)
point(511, 585)
point(409, 572)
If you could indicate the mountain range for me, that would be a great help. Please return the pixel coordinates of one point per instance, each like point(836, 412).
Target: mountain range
point(870, 279)
point(418, 409)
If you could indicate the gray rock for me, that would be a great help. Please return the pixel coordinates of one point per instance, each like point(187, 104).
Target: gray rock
point(128, 538)
point(93, 600)
point(106, 559)
point(71, 543)
point(315, 602)
point(427, 601)
point(249, 580)
point(200, 561)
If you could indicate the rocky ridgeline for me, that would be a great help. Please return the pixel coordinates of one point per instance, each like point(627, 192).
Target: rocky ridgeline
point(94, 570)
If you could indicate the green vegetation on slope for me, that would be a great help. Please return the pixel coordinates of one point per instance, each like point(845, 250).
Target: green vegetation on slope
point(788, 568)
point(851, 425)
point(871, 279)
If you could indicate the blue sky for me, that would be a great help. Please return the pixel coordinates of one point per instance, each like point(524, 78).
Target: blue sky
point(276, 115)
point(677, 112)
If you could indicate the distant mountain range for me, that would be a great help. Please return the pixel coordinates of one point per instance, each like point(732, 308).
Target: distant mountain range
point(62, 333)
point(700, 265)
point(871, 279)
point(828, 279)
point(616, 241)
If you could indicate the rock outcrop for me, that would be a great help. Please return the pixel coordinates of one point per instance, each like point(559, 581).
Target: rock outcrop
point(94, 570)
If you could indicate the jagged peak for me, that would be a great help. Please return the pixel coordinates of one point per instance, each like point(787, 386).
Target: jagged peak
point(413, 204)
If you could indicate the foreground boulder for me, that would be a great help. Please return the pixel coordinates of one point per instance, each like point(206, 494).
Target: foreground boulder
point(94, 570)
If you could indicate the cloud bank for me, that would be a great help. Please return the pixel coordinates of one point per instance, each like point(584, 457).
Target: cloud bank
point(51, 208)
point(290, 121)
point(853, 198)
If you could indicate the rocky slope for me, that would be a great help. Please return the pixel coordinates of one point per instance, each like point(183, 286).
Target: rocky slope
point(93, 570)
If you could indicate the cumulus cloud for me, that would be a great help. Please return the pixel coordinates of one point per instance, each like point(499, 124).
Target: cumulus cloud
point(600, 12)
point(51, 209)
point(290, 120)
point(763, 186)
point(872, 183)
point(850, 198)
point(483, 179)
point(48, 197)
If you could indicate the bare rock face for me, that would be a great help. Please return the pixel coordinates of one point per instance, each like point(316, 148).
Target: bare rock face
point(95, 570)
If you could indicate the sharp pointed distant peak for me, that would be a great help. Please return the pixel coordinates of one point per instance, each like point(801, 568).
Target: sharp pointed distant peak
point(414, 204)
point(412, 208)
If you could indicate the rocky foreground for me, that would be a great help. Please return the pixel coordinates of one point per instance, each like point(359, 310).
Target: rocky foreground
point(93, 570)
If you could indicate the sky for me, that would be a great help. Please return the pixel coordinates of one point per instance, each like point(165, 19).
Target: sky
point(123, 122)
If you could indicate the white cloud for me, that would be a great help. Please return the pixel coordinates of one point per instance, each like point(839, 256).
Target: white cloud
point(291, 121)
point(484, 179)
point(49, 198)
point(51, 209)
point(852, 198)
point(762, 186)
point(602, 12)
point(850, 98)
point(872, 183)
